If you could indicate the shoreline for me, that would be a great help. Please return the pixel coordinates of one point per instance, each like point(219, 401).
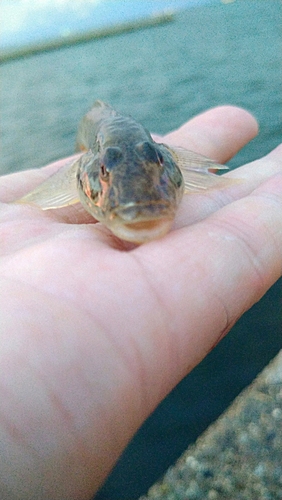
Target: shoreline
point(80, 38)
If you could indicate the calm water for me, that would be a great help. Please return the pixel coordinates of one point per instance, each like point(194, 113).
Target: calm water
point(162, 76)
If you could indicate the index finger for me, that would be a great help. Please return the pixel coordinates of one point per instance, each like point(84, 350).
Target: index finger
point(218, 133)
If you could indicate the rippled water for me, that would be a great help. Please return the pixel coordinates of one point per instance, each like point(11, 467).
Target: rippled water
point(162, 76)
point(209, 56)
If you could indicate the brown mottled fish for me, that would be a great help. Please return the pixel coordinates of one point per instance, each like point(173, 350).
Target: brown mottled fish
point(126, 180)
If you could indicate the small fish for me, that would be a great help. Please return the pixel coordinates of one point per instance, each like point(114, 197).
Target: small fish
point(125, 179)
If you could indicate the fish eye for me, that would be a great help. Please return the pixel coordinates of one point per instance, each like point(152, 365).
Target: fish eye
point(104, 172)
point(150, 152)
point(112, 157)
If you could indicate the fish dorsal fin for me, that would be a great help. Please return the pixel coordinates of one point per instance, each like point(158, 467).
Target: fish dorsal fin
point(90, 123)
point(197, 170)
point(59, 190)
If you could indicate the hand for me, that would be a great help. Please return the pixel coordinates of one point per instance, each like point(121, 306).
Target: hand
point(93, 337)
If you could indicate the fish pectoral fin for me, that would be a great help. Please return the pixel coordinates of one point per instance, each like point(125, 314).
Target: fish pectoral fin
point(197, 170)
point(196, 181)
point(59, 190)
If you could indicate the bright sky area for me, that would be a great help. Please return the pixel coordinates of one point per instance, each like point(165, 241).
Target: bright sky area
point(26, 21)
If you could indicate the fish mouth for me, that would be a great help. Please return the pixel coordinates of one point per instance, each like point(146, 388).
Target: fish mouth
point(141, 231)
point(142, 212)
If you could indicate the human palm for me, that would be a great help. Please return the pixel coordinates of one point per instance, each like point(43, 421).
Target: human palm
point(94, 333)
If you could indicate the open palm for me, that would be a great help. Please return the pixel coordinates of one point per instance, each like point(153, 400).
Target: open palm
point(94, 333)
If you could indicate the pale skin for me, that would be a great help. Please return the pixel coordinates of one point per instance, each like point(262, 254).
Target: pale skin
point(94, 334)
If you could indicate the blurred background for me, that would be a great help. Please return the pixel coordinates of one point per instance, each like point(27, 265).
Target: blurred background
point(209, 53)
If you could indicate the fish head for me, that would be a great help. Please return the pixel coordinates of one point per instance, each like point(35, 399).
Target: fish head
point(134, 191)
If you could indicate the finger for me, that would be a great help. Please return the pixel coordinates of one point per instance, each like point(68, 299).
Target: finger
point(218, 133)
point(211, 273)
point(259, 170)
